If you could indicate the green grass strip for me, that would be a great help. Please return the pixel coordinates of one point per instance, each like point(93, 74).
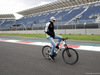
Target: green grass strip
point(71, 37)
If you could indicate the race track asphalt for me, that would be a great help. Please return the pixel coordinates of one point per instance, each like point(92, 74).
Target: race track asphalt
point(22, 59)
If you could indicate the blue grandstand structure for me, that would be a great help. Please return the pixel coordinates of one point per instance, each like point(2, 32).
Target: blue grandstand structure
point(80, 14)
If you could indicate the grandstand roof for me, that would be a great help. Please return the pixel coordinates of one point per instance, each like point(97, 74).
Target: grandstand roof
point(7, 16)
point(54, 5)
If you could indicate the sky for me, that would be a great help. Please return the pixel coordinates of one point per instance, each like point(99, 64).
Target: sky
point(13, 6)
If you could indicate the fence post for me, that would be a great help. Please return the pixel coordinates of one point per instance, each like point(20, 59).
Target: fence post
point(85, 28)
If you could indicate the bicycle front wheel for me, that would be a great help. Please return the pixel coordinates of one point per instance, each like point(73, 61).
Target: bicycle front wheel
point(46, 50)
point(70, 56)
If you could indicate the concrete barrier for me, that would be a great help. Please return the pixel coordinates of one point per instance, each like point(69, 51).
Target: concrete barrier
point(57, 31)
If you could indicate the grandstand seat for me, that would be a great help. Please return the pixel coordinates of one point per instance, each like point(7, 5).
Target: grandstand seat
point(91, 10)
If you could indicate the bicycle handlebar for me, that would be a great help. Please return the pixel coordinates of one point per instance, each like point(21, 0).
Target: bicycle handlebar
point(64, 38)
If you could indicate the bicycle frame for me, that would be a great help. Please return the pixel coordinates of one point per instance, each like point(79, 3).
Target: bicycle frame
point(62, 45)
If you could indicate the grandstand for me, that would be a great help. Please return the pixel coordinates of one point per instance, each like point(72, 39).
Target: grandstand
point(6, 20)
point(69, 14)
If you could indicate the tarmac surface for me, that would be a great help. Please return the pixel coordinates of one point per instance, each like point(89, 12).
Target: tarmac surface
point(23, 59)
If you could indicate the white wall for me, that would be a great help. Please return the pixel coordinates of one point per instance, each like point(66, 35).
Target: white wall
point(59, 31)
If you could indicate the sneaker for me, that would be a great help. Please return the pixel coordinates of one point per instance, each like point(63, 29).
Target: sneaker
point(51, 57)
point(54, 54)
point(57, 47)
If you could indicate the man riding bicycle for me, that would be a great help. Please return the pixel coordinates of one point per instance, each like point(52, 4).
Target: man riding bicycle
point(50, 35)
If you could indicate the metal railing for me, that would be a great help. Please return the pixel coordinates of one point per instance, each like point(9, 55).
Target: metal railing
point(58, 25)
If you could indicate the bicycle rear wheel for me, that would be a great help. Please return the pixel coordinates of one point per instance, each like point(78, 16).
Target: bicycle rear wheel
point(70, 56)
point(46, 50)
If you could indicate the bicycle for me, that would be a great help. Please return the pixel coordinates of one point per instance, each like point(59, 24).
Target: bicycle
point(69, 55)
